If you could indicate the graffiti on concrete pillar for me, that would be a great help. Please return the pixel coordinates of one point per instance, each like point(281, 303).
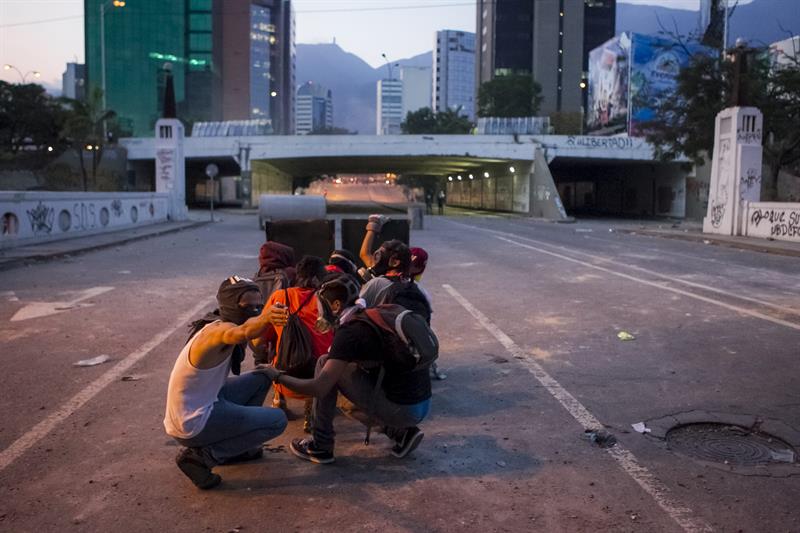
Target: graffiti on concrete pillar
point(41, 218)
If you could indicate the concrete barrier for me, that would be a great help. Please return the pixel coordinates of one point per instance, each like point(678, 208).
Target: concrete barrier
point(33, 217)
point(275, 207)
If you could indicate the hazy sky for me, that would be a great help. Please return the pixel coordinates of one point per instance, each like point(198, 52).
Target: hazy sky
point(43, 35)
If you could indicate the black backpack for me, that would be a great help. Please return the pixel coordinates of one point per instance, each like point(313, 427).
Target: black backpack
point(296, 349)
point(407, 294)
point(409, 343)
point(270, 282)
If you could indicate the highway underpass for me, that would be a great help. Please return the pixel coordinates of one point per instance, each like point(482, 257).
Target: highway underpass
point(535, 175)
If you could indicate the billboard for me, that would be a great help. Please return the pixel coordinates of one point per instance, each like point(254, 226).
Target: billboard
point(607, 99)
point(655, 65)
point(629, 77)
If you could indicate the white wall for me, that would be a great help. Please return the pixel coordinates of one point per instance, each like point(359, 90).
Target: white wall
point(772, 220)
point(35, 217)
point(417, 88)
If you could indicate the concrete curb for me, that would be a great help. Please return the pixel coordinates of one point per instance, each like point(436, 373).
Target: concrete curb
point(43, 257)
point(746, 245)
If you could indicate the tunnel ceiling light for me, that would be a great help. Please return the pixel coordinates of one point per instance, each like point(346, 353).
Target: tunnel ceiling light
point(511, 169)
point(582, 85)
point(459, 178)
point(471, 177)
point(450, 178)
point(485, 174)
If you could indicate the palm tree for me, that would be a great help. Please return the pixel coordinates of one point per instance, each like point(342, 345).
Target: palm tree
point(84, 129)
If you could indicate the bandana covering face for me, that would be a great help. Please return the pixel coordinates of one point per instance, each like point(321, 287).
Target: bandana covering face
point(228, 297)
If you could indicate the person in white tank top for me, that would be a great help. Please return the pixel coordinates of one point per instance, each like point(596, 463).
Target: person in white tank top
point(221, 419)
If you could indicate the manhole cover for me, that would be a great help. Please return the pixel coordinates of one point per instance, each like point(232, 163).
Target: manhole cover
point(729, 444)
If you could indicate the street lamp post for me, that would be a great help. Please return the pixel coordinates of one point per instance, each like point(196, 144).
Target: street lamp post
point(23, 77)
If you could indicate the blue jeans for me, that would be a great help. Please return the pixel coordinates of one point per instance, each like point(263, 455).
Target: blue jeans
point(358, 395)
point(238, 422)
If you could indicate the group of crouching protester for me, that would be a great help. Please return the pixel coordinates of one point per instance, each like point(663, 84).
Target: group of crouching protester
point(339, 337)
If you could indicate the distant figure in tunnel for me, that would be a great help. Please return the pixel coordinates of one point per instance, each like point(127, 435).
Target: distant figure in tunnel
point(220, 419)
point(440, 198)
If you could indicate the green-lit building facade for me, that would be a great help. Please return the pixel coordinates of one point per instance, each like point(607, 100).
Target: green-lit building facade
point(231, 59)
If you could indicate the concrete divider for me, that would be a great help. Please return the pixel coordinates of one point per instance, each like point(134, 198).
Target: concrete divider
point(772, 220)
point(31, 217)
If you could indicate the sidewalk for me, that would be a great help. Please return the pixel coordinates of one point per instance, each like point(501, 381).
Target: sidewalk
point(693, 231)
point(23, 255)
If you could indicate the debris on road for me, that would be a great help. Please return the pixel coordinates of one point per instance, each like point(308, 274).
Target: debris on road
point(130, 378)
point(639, 427)
point(583, 230)
point(602, 438)
point(94, 361)
point(501, 464)
point(625, 336)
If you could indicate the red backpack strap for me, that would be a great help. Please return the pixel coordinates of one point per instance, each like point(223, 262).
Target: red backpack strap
point(374, 314)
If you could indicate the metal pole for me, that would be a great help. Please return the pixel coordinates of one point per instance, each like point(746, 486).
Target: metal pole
point(725, 27)
point(103, 60)
point(212, 199)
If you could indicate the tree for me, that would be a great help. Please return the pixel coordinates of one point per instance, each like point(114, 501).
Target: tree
point(447, 122)
point(29, 117)
point(515, 95)
point(684, 123)
point(83, 130)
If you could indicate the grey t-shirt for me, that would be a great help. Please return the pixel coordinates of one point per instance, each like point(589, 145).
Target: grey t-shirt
point(373, 288)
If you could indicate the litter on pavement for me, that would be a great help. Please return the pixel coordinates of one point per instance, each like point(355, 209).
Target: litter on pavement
point(625, 336)
point(639, 427)
point(94, 361)
point(602, 438)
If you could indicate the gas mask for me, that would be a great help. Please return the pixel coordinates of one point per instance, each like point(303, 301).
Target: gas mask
point(327, 320)
point(381, 266)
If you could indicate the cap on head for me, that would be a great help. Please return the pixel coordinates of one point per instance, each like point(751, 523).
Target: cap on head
point(419, 260)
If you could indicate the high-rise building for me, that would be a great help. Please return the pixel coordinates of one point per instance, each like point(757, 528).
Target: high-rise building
point(314, 108)
point(548, 39)
point(230, 59)
point(254, 53)
point(73, 81)
point(417, 89)
point(454, 72)
point(389, 112)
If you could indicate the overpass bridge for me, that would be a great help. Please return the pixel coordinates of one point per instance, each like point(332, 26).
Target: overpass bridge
point(540, 175)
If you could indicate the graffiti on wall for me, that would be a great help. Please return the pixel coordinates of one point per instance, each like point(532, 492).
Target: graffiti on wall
point(782, 222)
point(41, 218)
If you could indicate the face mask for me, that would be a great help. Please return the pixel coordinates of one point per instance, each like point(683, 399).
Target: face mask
point(326, 321)
point(381, 265)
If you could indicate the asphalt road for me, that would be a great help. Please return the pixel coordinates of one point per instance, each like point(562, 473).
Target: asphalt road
point(528, 315)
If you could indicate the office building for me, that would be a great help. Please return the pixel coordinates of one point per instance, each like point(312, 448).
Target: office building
point(454, 72)
point(314, 108)
point(73, 81)
point(389, 112)
point(547, 39)
point(230, 59)
point(254, 53)
point(417, 88)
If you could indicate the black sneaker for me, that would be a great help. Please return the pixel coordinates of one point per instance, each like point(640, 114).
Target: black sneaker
point(304, 449)
point(407, 442)
point(192, 462)
point(250, 455)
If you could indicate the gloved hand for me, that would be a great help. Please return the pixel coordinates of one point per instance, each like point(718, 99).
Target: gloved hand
point(376, 222)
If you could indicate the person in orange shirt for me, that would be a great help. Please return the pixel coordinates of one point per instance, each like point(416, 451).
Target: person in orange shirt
point(302, 300)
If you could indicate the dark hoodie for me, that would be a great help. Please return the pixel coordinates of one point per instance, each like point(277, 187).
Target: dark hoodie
point(276, 256)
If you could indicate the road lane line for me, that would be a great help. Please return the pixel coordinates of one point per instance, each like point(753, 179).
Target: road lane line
point(682, 292)
point(682, 515)
point(640, 269)
point(40, 430)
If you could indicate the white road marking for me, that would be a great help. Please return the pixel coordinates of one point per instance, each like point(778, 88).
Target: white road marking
point(40, 430)
point(42, 309)
point(682, 515)
point(731, 307)
point(649, 272)
point(10, 296)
